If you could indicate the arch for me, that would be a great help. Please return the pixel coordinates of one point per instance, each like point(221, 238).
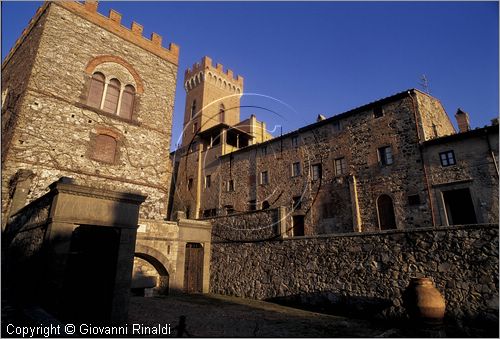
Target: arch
point(92, 64)
point(96, 90)
point(265, 205)
point(127, 104)
point(238, 90)
point(385, 213)
point(202, 76)
point(159, 262)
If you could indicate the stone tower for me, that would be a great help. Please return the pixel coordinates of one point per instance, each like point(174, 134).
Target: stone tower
point(87, 98)
point(212, 98)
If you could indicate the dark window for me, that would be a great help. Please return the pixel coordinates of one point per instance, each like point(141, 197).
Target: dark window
point(385, 210)
point(297, 203)
point(337, 127)
point(190, 183)
point(295, 169)
point(414, 199)
point(208, 181)
point(264, 178)
point(193, 109)
point(127, 104)
point(385, 156)
point(252, 204)
point(295, 141)
point(264, 150)
point(340, 166)
point(105, 148)
point(112, 96)
point(447, 158)
point(265, 205)
point(298, 225)
point(229, 209)
point(230, 185)
point(195, 127)
point(378, 112)
point(96, 90)
point(316, 171)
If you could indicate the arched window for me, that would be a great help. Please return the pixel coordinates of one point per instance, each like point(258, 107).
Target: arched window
point(127, 104)
point(96, 90)
point(265, 205)
point(222, 112)
point(193, 109)
point(112, 96)
point(385, 212)
point(104, 148)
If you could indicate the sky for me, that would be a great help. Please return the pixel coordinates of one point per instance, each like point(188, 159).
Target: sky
point(303, 59)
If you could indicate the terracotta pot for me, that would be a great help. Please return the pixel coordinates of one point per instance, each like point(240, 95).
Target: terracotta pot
point(423, 301)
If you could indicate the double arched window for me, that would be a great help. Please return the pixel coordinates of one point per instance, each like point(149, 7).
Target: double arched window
point(111, 96)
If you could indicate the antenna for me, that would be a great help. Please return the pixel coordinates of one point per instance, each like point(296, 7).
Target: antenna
point(424, 83)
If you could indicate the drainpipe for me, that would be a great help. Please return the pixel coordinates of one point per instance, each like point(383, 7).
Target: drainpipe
point(426, 180)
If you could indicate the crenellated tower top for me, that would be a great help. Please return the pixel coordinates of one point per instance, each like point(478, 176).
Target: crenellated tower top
point(112, 23)
point(204, 71)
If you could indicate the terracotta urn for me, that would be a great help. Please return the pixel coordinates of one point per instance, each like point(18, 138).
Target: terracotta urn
point(423, 301)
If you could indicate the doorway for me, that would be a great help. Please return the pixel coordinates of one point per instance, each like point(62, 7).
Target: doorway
point(298, 225)
point(385, 212)
point(193, 268)
point(459, 207)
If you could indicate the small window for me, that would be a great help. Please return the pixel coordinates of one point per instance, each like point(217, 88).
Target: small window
point(385, 156)
point(230, 185)
point(208, 181)
point(96, 90)
point(316, 172)
point(252, 205)
point(127, 104)
point(264, 178)
point(264, 150)
point(337, 127)
point(229, 209)
point(105, 148)
point(193, 109)
point(195, 127)
point(265, 205)
point(378, 112)
point(297, 203)
point(340, 166)
point(447, 158)
point(413, 200)
point(295, 141)
point(190, 184)
point(295, 169)
point(112, 96)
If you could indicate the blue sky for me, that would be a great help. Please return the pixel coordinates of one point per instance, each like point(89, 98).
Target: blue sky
point(305, 59)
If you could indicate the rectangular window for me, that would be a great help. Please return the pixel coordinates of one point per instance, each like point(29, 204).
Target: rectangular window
point(447, 158)
point(230, 186)
point(208, 181)
point(297, 203)
point(190, 184)
point(378, 112)
point(295, 169)
point(295, 141)
point(316, 171)
point(340, 166)
point(264, 178)
point(337, 127)
point(413, 200)
point(385, 155)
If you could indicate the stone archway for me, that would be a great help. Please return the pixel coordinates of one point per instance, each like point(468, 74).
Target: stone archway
point(160, 264)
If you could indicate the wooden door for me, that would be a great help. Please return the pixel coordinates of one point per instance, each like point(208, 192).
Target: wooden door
point(193, 268)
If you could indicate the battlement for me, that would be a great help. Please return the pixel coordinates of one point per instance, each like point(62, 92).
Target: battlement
point(112, 23)
point(206, 64)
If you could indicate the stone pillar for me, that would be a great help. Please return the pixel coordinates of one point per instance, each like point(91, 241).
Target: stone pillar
point(356, 215)
point(282, 224)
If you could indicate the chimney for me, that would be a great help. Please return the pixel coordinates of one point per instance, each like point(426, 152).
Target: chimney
point(462, 121)
point(320, 117)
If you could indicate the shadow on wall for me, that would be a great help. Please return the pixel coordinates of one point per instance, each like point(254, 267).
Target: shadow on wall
point(336, 304)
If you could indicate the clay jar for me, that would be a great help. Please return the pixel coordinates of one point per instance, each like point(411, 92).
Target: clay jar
point(423, 301)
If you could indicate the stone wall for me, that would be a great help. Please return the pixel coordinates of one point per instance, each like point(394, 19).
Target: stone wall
point(365, 272)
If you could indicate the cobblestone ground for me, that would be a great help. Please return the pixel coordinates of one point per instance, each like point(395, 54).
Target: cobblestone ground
point(223, 316)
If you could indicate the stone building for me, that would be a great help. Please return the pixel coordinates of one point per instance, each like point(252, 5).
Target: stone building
point(87, 99)
point(371, 168)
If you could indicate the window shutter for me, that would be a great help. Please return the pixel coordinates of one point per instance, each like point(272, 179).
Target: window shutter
point(127, 104)
point(112, 95)
point(96, 90)
point(105, 148)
